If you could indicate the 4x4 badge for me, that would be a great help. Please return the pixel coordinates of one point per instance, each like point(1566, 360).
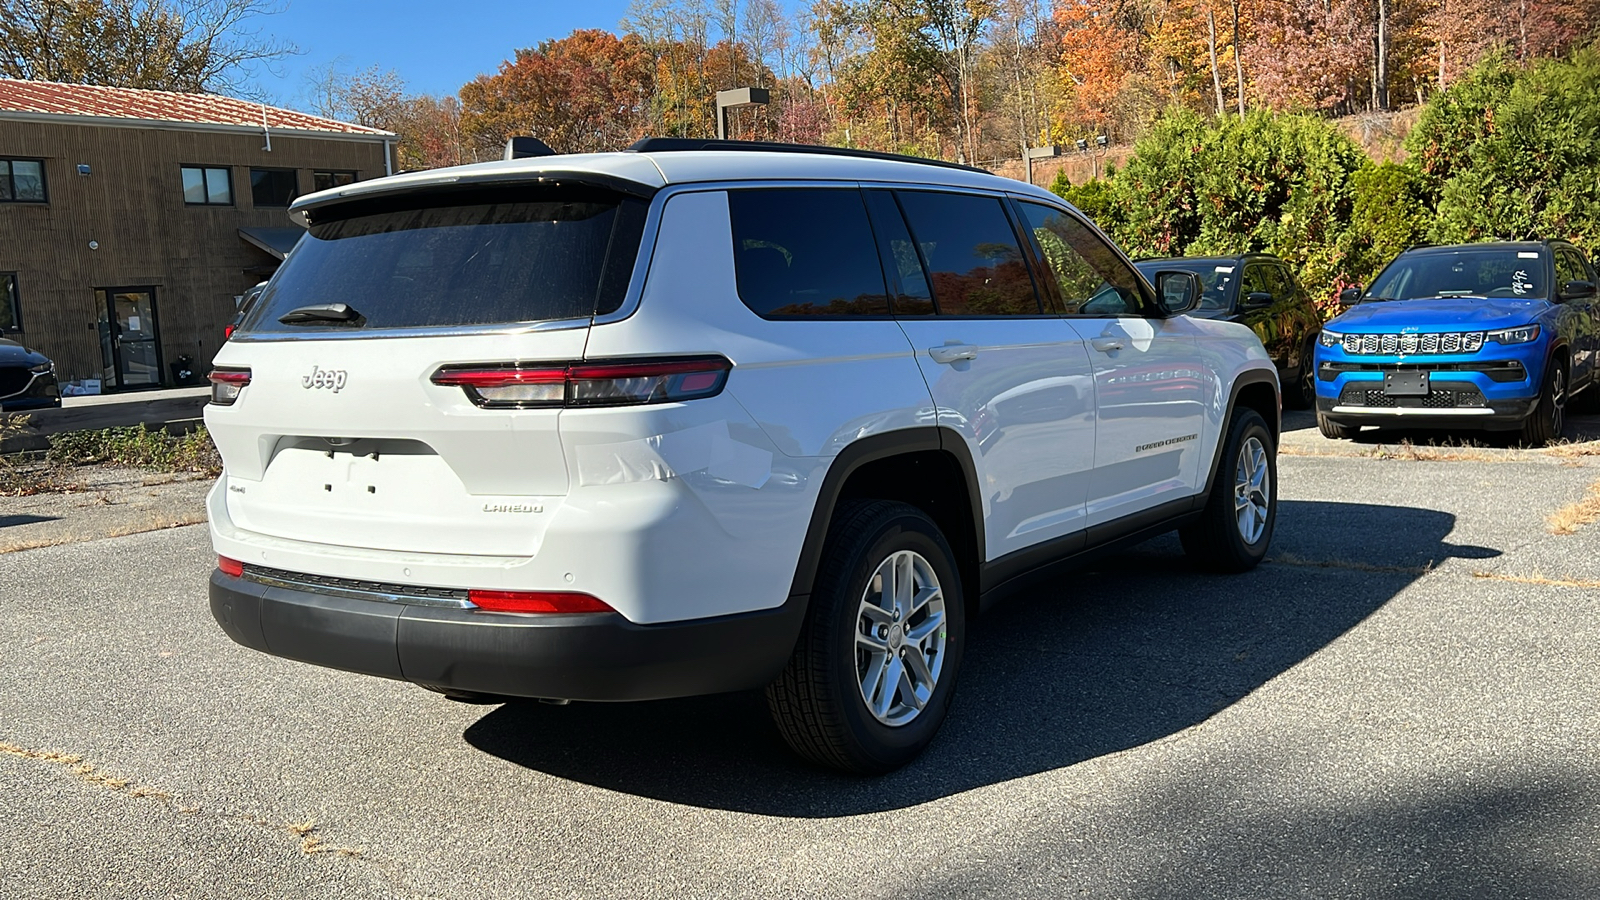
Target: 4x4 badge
point(331, 379)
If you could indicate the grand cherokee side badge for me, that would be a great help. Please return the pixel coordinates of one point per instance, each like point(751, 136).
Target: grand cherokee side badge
point(513, 508)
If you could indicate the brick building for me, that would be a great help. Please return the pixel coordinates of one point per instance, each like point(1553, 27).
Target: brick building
point(130, 220)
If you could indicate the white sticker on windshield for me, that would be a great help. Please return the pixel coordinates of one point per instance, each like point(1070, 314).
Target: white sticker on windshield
point(1527, 254)
point(1520, 284)
point(1224, 268)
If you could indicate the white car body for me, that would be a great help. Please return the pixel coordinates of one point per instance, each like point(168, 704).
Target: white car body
point(681, 512)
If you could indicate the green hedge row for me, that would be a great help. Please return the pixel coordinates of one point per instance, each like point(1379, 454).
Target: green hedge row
point(1508, 153)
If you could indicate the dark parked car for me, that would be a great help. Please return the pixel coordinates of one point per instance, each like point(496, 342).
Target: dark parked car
point(1258, 290)
point(27, 379)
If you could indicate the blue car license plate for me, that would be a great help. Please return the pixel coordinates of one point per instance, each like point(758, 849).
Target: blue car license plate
point(1405, 384)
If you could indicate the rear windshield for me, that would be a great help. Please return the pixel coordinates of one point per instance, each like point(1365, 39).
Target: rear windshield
point(524, 256)
point(1499, 272)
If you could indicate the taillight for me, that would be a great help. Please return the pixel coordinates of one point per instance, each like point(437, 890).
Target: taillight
point(230, 566)
point(227, 332)
point(226, 385)
point(537, 602)
point(518, 386)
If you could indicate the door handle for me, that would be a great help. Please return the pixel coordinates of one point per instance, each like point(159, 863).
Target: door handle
point(950, 353)
point(1106, 344)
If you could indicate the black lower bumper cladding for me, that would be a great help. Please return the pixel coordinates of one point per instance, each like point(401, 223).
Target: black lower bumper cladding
point(597, 656)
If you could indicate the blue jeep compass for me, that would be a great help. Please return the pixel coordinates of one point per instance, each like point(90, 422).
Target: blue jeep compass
point(1488, 336)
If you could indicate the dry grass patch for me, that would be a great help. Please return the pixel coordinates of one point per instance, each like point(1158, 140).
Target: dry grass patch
point(1568, 519)
point(1541, 580)
point(310, 843)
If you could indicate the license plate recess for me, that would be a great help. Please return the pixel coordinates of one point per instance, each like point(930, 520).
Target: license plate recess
point(1406, 383)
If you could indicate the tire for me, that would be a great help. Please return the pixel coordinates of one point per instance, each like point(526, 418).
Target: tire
point(1333, 431)
point(1549, 417)
point(820, 702)
point(1235, 528)
point(1303, 393)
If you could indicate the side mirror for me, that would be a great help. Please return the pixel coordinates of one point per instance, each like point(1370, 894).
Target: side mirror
point(1577, 290)
point(1179, 291)
point(1257, 299)
point(1350, 296)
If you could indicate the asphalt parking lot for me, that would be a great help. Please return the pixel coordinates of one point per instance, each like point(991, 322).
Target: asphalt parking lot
point(1403, 702)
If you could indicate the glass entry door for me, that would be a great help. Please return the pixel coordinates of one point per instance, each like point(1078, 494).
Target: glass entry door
point(130, 343)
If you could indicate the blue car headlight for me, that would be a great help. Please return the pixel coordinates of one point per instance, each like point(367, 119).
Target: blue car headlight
point(1522, 334)
point(1330, 338)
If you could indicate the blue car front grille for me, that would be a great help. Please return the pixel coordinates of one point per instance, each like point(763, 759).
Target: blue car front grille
point(1459, 396)
point(1392, 344)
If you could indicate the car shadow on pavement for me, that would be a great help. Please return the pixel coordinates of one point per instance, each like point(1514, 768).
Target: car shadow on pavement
point(9, 521)
point(1130, 651)
point(1581, 427)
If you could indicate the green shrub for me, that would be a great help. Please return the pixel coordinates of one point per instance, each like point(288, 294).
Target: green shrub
point(1268, 183)
point(1391, 212)
point(1093, 197)
point(1514, 154)
point(138, 447)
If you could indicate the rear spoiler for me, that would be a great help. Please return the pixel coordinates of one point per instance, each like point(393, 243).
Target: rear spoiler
point(398, 190)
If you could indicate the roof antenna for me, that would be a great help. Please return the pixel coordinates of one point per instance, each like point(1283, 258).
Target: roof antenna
point(267, 132)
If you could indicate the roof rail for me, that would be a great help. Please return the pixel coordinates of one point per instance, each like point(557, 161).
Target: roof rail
point(679, 145)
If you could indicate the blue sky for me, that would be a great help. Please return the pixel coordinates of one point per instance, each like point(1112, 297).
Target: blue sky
point(436, 47)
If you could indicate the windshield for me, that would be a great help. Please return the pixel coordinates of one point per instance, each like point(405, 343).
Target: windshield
point(1217, 279)
point(522, 256)
point(1498, 272)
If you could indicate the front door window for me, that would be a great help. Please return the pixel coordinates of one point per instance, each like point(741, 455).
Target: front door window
point(130, 345)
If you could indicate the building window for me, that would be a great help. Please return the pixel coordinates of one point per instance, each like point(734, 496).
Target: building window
point(273, 187)
point(22, 181)
point(321, 181)
point(207, 187)
point(10, 311)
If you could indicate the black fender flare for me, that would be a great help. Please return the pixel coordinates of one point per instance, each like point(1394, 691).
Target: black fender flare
point(872, 448)
point(1274, 423)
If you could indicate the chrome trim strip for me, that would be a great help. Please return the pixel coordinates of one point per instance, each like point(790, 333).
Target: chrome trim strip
point(32, 377)
point(1413, 411)
point(350, 594)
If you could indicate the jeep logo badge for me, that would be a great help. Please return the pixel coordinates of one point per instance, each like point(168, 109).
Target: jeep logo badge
point(331, 379)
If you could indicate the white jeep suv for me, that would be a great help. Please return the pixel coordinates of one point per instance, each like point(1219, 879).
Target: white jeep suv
point(708, 416)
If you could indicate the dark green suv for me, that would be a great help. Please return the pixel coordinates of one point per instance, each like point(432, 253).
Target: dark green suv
point(1258, 290)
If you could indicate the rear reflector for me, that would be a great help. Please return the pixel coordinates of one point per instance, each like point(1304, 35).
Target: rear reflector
point(634, 382)
point(230, 566)
point(226, 385)
point(537, 602)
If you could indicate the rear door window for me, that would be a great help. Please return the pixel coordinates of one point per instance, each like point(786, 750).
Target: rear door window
point(806, 252)
point(974, 263)
point(1092, 279)
point(486, 257)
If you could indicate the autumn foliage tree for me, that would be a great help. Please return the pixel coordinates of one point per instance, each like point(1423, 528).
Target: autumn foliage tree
point(585, 92)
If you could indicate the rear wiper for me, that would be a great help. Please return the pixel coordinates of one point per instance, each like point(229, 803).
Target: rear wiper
point(323, 312)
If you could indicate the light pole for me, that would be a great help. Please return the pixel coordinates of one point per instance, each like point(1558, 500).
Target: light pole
point(1032, 153)
point(734, 99)
point(1100, 150)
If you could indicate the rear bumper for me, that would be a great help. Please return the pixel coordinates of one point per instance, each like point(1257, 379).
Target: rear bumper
point(569, 657)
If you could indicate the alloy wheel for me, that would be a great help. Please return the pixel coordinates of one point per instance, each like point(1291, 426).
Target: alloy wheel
point(1252, 491)
point(900, 638)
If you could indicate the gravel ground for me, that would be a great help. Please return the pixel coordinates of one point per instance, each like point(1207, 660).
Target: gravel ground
point(1373, 713)
point(105, 502)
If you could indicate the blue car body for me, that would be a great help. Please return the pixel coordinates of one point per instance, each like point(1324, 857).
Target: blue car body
point(1513, 337)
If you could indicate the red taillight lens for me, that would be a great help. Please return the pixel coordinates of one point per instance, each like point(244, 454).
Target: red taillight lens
point(513, 386)
point(537, 602)
point(230, 566)
point(227, 332)
point(226, 385)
